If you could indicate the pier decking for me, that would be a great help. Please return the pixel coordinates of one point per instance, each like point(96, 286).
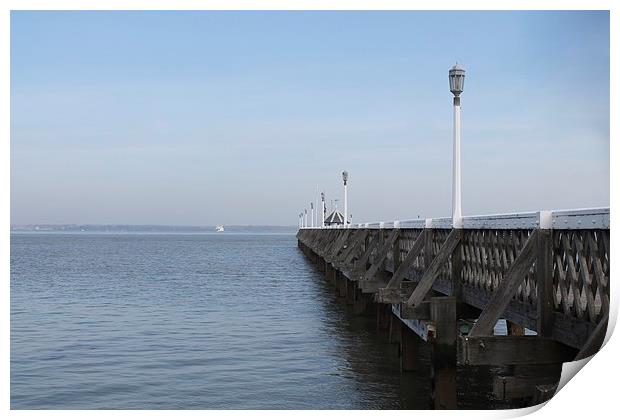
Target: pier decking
point(545, 273)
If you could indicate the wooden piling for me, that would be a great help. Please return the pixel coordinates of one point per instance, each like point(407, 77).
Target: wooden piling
point(360, 302)
point(409, 350)
point(384, 312)
point(443, 359)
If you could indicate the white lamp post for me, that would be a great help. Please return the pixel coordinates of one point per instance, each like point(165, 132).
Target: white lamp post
point(305, 217)
point(311, 214)
point(322, 209)
point(316, 206)
point(456, 75)
point(345, 178)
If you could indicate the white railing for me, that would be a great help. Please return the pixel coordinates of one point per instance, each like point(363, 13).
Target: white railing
point(592, 218)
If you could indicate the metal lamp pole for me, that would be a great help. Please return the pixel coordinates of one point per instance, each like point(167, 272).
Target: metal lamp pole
point(322, 209)
point(316, 205)
point(456, 75)
point(311, 214)
point(345, 178)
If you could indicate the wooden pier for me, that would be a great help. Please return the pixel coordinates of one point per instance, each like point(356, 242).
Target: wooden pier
point(545, 273)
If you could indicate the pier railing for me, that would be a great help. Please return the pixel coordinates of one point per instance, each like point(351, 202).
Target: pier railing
point(546, 271)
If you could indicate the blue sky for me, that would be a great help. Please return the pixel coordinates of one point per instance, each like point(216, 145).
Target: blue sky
point(235, 117)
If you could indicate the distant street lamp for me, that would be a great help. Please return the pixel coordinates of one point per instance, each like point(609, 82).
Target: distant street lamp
point(322, 209)
point(301, 220)
point(456, 75)
point(316, 201)
point(311, 214)
point(305, 217)
point(345, 178)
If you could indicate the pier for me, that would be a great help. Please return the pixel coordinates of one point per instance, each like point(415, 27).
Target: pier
point(546, 274)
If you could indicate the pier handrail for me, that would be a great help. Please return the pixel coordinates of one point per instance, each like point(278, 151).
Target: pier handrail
point(585, 218)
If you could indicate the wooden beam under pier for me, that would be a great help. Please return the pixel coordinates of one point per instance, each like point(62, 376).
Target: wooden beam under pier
point(430, 274)
point(512, 350)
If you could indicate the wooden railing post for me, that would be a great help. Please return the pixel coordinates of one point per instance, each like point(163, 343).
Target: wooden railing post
point(396, 253)
point(544, 283)
point(456, 274)
point(428, 247)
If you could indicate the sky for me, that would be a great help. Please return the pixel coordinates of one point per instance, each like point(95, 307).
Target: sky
point(204, 118)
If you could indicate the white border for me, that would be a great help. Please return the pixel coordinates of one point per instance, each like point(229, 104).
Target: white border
point(591, 395)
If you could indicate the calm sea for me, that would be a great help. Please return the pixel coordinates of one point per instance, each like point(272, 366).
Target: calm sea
point(190, 321)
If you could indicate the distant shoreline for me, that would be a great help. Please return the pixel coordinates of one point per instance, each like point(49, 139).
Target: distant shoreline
point(75, 228)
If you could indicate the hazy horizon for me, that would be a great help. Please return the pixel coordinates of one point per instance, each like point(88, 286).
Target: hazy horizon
point(206, 118)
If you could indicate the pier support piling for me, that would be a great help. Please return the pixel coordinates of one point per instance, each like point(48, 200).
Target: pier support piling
point(384, 313)
point(409, 350)
point(360, 301)
point(443, 363)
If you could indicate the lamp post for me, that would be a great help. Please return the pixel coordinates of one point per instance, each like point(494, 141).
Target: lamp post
point(301, 220)
point(311, 214)
point(316, 206)
point(456, 75)
point(345, 178)
point(305, 217)
point(322, 209)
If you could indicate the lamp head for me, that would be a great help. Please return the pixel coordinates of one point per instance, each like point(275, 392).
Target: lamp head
point(456, 75)
point(345, 177)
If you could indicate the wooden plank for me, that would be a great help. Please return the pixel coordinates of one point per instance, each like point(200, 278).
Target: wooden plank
point(409, 260)
point(361, 263)
point(544, 393)
point(517, 311)
point(507, 289)
point(430, 274)
point(428, 248)
point(456, 275)
point(338, 244)
point(424, 328)
point(316, 241)
point(521, 386)
point(349, 258)
point(595, 341)
point(391, 295)
point(353, 245)
point(326, 243)
point(571, 331)
point(373, 285)
point(422, 311)
point(381, 254)
point(396, 260)
point(396, 295)
point(544, 283)
point(512, 350)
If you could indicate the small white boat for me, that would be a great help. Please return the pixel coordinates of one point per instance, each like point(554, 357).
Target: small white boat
point(219, 228)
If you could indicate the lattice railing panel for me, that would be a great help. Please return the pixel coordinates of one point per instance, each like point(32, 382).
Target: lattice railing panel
point(439, 237)
point(406, 239)
point(581, 273)
point(487, 254)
